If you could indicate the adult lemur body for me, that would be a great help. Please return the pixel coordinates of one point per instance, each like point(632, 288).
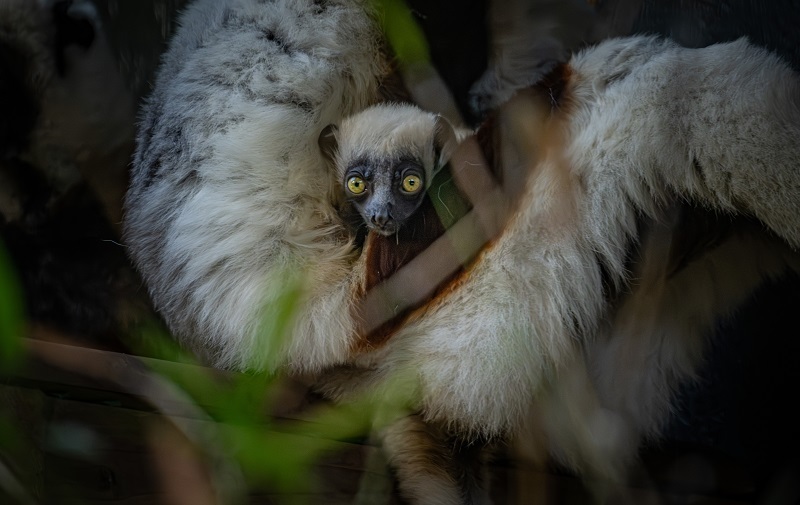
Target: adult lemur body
point(240, 127)
point(583, 313)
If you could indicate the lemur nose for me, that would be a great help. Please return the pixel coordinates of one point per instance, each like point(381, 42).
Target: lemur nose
point(380, 219)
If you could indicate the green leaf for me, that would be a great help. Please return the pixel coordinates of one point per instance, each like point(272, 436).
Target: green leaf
point(11, 314)
point(402, 31)
point(278, 317)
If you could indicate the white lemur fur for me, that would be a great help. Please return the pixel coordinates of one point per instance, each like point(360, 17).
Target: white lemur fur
point(231, 198)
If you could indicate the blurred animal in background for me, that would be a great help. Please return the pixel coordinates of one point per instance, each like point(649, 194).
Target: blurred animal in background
point(76, 111)
point(527, 39)
point(67, 137)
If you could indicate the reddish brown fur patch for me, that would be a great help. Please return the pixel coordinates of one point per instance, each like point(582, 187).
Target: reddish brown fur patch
point(387, 255)
point(451, 283)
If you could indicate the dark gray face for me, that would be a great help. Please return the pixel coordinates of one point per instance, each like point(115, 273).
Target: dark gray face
point(385, 193)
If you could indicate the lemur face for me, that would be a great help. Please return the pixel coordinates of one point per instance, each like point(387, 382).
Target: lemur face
point(385, 157)
point(386, 193)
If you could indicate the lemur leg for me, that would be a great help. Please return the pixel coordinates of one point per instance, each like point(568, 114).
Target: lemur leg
point(433, 468)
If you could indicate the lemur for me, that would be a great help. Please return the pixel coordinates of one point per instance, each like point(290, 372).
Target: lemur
point(575, 322)
point(386, 157)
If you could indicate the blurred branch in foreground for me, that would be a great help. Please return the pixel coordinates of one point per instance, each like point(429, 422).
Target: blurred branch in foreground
point(193, 424)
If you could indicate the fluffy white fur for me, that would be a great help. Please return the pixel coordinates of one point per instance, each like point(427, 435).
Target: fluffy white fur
point(231, 202)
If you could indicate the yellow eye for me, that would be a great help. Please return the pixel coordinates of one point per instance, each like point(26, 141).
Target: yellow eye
point(412, 184)
point(356, 185)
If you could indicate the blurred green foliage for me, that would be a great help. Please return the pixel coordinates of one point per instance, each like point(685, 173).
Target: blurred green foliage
point(275, 455)
point(403, 33)
point(11, 314)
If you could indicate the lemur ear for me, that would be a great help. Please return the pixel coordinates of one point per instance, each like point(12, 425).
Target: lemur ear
point(328, 143)
point(445, 141)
